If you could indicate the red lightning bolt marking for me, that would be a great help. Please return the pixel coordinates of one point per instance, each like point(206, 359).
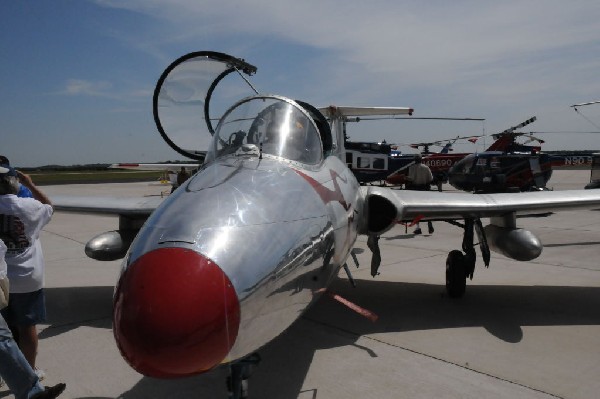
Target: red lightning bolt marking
point(327, 195)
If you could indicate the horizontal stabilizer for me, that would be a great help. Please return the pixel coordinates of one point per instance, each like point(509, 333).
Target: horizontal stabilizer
point(365, 111)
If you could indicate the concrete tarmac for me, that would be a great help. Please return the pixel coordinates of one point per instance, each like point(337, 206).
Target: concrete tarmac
point(523, 329)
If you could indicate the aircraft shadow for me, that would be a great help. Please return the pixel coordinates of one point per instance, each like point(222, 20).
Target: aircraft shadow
point(401, 307)
point(501, 310)
point(405, 236)
point(71, 307)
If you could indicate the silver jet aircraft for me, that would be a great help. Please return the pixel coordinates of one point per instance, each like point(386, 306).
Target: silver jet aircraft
point(233, 257)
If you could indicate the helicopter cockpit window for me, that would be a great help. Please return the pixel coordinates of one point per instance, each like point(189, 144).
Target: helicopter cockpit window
point(273, 125)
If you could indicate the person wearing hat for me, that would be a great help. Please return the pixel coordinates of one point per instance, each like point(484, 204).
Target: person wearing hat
point(21, 379)
point(24, 192)
point(419, 178)
point(21, 221)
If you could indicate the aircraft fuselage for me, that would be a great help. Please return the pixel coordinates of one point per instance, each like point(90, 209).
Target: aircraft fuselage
point(262, 237)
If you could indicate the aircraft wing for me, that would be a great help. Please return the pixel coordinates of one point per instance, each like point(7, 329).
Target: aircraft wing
point(140, 206)
point(408, 205)
point(386, 207)
point(132, 212)
point(155, 166)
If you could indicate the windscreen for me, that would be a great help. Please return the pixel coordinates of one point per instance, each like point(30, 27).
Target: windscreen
point(269, 125)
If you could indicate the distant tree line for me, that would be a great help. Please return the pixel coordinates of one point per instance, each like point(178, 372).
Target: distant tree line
point(76, 168)
point(71, 168)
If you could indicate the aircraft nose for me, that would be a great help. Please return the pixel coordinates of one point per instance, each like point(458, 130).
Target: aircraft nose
point(175, 314)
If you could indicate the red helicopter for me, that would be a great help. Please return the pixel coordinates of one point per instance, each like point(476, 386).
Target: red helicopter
point(439, 162)
point(506, 166)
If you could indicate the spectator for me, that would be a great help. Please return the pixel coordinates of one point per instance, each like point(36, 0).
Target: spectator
point(21, 221)
point(173, 180)
point(182, 176)
point(420, 178)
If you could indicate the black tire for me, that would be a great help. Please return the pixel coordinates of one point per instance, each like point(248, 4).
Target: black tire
point(456, 278)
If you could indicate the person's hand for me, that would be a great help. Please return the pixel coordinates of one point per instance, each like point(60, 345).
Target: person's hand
point(24, 179)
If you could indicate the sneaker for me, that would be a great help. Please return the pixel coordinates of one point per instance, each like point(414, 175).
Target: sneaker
point(417, 231)
point(50, 392)
point(41, 374)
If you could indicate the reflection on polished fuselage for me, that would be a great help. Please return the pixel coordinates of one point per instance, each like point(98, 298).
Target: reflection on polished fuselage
point(263, 234)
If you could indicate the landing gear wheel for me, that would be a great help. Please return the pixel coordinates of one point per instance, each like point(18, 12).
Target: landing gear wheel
point(237, 382)
point(239, 390)
point(456, 277)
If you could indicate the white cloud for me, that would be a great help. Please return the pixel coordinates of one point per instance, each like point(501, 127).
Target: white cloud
point(427, 43)
point(104, 89)
point(500, 60)
point(80, 87)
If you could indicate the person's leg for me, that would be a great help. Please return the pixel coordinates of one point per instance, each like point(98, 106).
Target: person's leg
point(14, 368)
point(430, 227)
point(28, 310)
point(418, 229)
point(28, 342)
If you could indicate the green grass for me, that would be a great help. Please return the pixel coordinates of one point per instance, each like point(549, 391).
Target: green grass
point(92, 176)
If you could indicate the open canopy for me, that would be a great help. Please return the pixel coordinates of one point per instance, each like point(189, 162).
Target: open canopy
point(183, 102)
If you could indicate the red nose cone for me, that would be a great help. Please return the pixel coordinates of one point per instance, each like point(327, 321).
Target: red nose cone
point(175, 314)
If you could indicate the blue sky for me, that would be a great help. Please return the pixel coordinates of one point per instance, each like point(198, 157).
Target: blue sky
point(77, 76)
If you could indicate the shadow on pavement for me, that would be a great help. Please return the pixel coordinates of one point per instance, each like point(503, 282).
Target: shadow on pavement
point(501, 310)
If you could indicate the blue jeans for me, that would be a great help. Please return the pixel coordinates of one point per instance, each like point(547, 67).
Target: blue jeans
point(14, 368)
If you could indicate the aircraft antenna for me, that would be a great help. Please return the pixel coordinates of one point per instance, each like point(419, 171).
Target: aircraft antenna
point(246, 80)
point(484, 135)
point(582, 115)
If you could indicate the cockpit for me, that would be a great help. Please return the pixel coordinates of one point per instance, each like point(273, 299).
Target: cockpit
point(268, 125)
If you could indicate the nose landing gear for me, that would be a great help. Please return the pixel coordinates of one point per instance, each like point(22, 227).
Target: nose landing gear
point(237, 382)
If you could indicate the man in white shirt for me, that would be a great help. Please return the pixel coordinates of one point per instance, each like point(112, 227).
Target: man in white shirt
point(419, 178)
point(173, 180)
point(21, 221)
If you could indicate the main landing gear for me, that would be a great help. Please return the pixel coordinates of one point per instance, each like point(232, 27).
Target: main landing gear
point(456, 276)
point(461, 265)
point(237, 382)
